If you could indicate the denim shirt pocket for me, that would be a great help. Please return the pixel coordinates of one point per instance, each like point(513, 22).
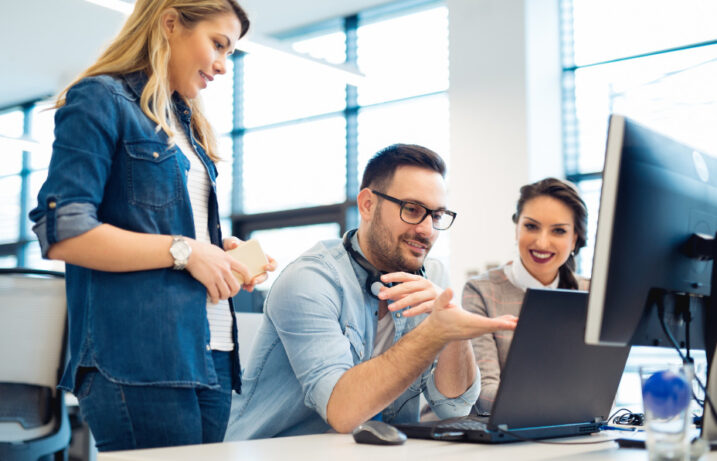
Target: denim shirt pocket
point(154, 179)
point(358, 346)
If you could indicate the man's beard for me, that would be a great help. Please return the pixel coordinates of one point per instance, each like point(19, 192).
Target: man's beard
point(386, 253)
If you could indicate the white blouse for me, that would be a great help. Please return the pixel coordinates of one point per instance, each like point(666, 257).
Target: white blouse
point(519, 276)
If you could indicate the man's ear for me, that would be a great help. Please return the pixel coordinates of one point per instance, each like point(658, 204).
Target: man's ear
point(169, 21)
point(366, 202)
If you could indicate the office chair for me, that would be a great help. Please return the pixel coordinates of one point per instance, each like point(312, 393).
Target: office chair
point(247, 327)
point(33, 335)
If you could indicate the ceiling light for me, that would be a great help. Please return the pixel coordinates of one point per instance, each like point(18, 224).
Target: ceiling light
point(265, 46)
point(269, 47)
point(116, 5)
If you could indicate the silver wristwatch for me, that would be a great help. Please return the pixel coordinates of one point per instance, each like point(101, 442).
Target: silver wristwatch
point(180, 251)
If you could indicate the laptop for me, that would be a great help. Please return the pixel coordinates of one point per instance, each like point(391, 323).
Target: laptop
point(552, 384)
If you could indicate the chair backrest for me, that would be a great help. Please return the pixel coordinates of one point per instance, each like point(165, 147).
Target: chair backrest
point(33, 312)
point(247, 327)
point(33, 336)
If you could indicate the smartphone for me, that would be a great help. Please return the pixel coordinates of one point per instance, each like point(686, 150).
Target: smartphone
point(251, 255)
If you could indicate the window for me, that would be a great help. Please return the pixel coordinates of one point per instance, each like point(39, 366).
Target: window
point(303, 138)
point(653, 61)
point(26, 145)
point(293, 139)
point(656, 65)
point(11, 126)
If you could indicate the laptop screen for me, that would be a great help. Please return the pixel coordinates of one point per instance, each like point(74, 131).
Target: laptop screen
point(551, 377)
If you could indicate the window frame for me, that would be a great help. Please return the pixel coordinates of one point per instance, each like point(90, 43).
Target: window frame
point(345, 213)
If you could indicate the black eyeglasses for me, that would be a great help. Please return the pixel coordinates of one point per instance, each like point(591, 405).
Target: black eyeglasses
point(415, 213)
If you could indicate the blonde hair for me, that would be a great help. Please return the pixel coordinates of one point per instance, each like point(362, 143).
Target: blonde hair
point(141, 45)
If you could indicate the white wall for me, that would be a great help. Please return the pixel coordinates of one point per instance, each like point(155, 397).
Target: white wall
point(505, 121)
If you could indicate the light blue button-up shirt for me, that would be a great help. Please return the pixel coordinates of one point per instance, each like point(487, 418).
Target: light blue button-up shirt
point(319, 322)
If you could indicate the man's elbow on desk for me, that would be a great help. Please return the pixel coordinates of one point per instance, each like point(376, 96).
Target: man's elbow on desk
point(341, 417)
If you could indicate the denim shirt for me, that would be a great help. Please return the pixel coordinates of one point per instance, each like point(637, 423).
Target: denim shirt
point(111, 165)
point(319, 322)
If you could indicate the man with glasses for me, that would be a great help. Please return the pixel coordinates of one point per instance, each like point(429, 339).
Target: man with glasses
point(357, 329)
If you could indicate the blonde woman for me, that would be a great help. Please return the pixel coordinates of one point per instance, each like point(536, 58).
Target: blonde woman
point(130, 205)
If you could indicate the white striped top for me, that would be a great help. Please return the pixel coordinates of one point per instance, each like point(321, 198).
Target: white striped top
point(218, 315)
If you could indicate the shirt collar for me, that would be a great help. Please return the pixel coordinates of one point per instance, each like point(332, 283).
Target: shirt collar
point(519, 276)
point(361, 273)
point(136, 81)
point(355, 244)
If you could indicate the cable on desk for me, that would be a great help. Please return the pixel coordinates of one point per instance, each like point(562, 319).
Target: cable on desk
point(626, 417)
point(668, 333)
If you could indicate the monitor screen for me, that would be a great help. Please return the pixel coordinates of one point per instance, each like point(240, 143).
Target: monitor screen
point(656, 193)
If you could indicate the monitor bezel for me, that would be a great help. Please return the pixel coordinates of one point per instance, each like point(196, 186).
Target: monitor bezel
point(604, 235)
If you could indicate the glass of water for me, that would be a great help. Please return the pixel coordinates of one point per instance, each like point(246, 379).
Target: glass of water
point(666, 396)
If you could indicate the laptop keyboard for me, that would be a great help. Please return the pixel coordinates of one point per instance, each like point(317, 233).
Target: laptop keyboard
point(466, 423)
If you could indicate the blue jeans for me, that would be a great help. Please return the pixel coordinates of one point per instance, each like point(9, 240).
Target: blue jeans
point(123, 417)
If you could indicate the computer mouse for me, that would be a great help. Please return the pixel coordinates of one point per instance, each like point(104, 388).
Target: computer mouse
point(378, 433)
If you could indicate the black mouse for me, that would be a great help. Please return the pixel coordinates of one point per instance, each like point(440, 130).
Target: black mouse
point(378, 433)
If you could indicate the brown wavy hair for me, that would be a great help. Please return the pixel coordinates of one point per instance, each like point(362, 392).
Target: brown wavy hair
point(568, 194)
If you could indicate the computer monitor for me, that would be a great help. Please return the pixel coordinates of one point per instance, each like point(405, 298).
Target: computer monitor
point(656, 194)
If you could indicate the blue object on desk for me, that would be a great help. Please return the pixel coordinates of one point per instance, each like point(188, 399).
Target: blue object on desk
point(666, 394)
point(618, 428)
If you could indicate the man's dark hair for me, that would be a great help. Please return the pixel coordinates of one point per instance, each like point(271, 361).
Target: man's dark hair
point(382, 166)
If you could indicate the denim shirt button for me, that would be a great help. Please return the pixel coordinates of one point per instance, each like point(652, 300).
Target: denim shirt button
point(52, 205)
point(186, 112)
point(155, 155)
point(209, 348)
point(398, 314)
point(219, 226)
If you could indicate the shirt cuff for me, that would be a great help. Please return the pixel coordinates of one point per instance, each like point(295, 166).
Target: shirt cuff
point(318, 397)
point(65, 222)
point(445, 407)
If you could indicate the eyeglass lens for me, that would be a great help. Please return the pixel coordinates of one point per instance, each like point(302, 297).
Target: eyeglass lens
point(413, 214)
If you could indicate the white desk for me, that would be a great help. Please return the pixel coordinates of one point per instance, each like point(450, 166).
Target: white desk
point(343, 448)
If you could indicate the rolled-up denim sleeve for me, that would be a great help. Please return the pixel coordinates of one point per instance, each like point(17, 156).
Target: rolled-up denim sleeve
point(70, 221)
point(445, 407)
point(85, 140)
point(304, 306)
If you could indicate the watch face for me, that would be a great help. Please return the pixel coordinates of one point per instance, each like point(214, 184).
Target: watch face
point(180, 250)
